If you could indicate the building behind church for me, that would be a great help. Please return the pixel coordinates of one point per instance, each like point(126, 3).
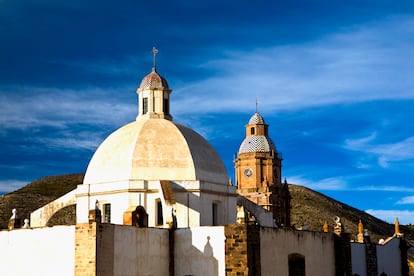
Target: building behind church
point(156, 200)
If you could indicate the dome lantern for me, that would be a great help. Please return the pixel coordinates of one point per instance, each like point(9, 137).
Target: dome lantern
point(154, 94)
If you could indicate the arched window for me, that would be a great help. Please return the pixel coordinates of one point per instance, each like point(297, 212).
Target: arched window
point(144, 105)
point(159, 216)
point(215, 213)
point(166, 106)
point(296, 265)
point(252, 131)
point(107, 212)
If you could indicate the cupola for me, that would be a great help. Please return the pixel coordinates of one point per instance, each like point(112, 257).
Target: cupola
point(154, 95)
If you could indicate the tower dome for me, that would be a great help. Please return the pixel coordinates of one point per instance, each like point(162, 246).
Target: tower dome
point(153, 81)
point(257, 139)
point(256, 119)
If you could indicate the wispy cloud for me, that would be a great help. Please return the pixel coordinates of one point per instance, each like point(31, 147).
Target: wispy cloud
point(385, 154)
point(385, 188)
point(31, 107)
point(331, 183)
point(357, 65)
point(83, 140)
point(404, 216)
point(406, 200)
point(7, 186)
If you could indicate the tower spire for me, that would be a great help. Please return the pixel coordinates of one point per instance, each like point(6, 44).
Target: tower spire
point(257, 105)
point(154, 52)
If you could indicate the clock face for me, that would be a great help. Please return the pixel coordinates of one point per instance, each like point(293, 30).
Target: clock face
point(248, 172)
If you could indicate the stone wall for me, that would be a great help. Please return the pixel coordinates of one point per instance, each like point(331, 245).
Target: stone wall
point(371, 257)
point(40, 251)
point(108, 249)
point(343, 258)
point(276, 245)
point(236, 250)
point(139, 251)
point(85, 249)
point(242, 250)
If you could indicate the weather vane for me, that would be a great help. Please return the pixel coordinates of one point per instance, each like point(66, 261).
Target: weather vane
point(154, 54)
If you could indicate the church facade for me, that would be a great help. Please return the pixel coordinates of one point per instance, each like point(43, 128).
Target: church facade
point(156, 200)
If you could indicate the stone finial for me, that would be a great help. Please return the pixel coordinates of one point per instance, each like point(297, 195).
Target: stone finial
point(14, 221)
point(367, 238)
point(26, 224)
point(14, 214)
point(240, 217)
point(397, 226)
point(360, 236)
point(325, 227)
point(338, 226)
point(360, 227)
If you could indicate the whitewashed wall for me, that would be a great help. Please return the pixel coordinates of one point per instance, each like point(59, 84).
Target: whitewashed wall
point(41, 251)
point(140, 251)
point(200, 251)
point(276, 245)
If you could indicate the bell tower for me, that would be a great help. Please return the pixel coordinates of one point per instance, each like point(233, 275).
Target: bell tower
point(258, 168)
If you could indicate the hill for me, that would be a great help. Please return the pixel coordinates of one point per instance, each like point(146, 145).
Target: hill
point(36, 194)
point(316, 209)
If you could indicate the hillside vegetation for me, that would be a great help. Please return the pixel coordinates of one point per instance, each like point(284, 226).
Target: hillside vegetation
point(316, 209)
point(36, 194)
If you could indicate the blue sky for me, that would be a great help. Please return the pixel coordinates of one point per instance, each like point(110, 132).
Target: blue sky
point(334, 80)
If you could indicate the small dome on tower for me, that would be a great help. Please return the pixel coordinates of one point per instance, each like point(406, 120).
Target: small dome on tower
point(257, 139)
point(153, 80)
point(257, 143)
point(256, 119)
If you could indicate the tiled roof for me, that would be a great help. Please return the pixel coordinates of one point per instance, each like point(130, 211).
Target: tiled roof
point(256, 119)
point(153, 80)
point(258, 143)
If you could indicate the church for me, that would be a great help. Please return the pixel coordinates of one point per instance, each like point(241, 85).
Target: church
point(156, 199)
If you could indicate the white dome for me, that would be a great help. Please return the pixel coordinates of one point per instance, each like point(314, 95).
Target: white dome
point(155, 149)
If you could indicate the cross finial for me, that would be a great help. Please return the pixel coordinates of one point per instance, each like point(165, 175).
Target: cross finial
point(154, 53)
point(257, 105)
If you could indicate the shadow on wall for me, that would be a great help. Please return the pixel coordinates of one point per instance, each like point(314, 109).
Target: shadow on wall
point(195, 251)
point(208, 256)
